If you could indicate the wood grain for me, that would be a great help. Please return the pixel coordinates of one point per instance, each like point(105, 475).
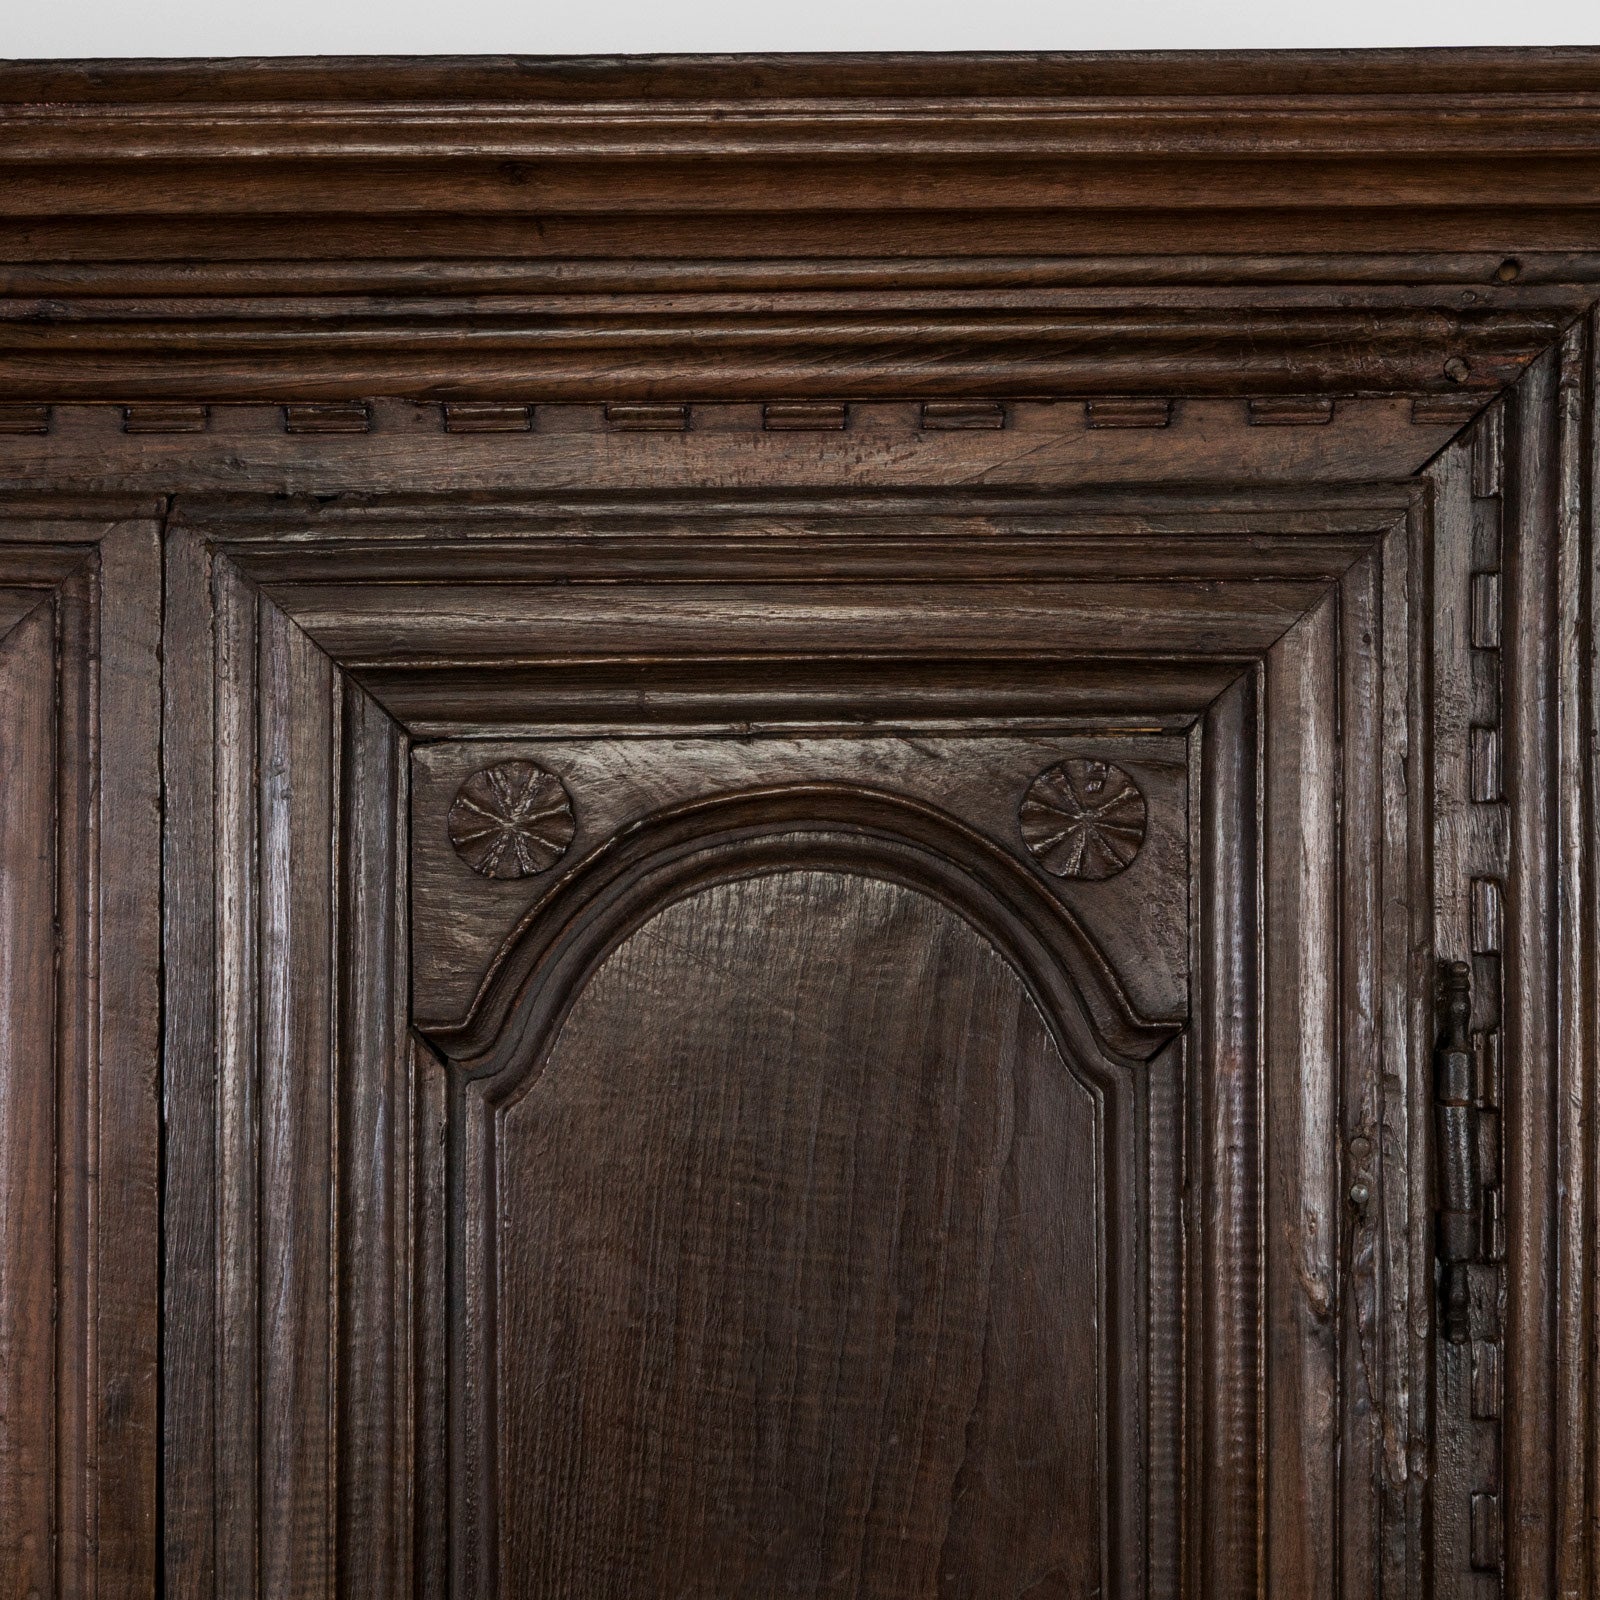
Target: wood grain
point(147, 212)
point(460, 924)
point(838, 1327)
point(78, 1013)
point(1245, 1390)
point(27, 1120)
point(288, 1175)
point(408, 449)
point(795, 1187)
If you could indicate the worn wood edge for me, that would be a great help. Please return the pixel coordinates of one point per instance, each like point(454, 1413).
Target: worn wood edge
point(1551, 1021)
point(70, 95)
point(1453, 70)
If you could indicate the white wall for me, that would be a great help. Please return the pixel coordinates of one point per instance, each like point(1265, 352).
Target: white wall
point(78, 28)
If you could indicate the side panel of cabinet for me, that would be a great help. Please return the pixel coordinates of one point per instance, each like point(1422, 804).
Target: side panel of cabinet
point(79, 892)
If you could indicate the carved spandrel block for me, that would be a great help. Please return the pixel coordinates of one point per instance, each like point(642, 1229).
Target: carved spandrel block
point(461, 917)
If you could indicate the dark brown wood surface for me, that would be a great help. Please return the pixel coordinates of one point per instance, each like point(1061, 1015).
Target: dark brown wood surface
point(730, 796)
point(79, 1069)
point(794, 1295)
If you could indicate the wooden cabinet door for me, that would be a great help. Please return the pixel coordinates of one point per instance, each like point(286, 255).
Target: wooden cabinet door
point(800, 829)
point(799, 1049)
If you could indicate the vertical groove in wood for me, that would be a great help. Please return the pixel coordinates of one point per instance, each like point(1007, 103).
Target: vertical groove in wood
point(1573, 1066)
point(77, 1002)
point(126, 1232)
point(401, 1179)
point(190, 1186)
point(1590, 912)
point(1366, 1147)
point(235, 1360)
point(1227, 1471)
point(1404, 1066)
point(332, 886)
point(428, 1462)
point(1548, 1033)
point(1449, 711)
point(1162, 1531)
point(469, 1394)
point(1529, 998)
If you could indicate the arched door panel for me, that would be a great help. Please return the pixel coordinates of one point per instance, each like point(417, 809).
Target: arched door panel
point(799, 1287)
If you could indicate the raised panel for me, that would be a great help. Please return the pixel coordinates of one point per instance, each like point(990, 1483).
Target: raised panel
point(864, 1008)
point(799, 1278)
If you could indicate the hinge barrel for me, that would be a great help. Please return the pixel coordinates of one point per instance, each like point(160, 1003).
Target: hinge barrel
point(1458, 1182)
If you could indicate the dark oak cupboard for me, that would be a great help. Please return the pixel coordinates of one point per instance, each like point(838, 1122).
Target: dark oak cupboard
point(799, 828)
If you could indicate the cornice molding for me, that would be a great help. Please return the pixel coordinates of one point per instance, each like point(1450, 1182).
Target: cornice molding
point(1259, 107)
point(1254, 129)
point(738, 228)
point(222, 352)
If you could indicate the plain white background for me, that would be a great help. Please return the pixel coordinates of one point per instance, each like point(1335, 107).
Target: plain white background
point(82, 28)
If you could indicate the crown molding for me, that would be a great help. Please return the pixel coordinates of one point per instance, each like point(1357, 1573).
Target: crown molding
point(705, 229)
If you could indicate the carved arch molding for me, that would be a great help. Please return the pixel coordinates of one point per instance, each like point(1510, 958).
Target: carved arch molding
point(532, 590)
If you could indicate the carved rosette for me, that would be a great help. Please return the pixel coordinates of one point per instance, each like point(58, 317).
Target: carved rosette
point(1083, 819)
point(511, 820)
